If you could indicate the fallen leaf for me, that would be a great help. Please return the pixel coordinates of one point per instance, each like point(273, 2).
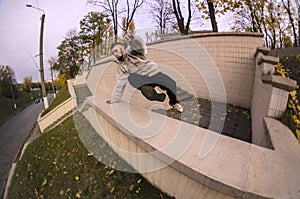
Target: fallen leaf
point(112, 189)
point(111, 172)
point(131, 187)
point(44, 182)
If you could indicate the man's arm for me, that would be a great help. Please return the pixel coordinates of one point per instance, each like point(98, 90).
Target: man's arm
point(136, 45)
point(119, 89)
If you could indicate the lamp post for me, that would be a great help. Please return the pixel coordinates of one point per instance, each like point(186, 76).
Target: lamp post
point(41, 56)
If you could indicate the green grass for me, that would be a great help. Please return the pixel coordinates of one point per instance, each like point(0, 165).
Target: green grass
point(57, 165)
point(61, 96)
point(7, 106)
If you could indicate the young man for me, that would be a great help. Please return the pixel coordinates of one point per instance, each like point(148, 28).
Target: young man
point(143, 74)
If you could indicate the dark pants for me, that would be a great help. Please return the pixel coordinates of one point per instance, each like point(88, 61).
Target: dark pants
point(146, 85)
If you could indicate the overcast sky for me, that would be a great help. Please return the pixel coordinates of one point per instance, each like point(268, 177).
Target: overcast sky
point(20, 30)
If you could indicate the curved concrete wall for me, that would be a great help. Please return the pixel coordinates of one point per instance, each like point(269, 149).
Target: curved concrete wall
point(209, 61)
point(232, 168)
point(171, 156)
point(214, 66)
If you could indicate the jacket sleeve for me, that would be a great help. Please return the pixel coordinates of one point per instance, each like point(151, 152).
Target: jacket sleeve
point(136, 47)
point(120, 86)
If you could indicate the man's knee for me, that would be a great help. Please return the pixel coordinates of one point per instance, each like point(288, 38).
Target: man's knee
point(150, 93)
point(147, 91)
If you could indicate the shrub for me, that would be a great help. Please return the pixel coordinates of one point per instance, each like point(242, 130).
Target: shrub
point(291, 117)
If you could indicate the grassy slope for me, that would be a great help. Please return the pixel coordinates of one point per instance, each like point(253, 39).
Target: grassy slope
point(7, 106)
point(61, 96)
point(57, 165)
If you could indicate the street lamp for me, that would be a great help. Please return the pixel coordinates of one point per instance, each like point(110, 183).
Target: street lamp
point(41, 56)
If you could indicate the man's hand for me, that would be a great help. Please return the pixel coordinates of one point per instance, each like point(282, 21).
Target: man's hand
point(109, 101)
point(128, 37)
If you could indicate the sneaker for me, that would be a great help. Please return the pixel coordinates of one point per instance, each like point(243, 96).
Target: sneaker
point(158, 90)
point(178, 107)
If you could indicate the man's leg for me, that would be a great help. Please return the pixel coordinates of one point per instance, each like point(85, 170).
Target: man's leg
point(149, 92)
point(143, 84)
point(166, 83)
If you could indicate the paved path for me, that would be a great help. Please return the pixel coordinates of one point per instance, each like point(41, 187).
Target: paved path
point(13, 134)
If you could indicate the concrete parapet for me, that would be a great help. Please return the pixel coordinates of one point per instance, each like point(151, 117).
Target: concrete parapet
point(71, 83)
point(267, 168)
point(231, 169)
point(55, 114)
point(81, 79)
point(263, 50)
point(280, 82)
point(270, 95)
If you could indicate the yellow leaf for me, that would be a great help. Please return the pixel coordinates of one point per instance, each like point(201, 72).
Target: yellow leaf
point(139, 181)
point(77, 178)
point(78, 195)
point(108, 185)
point(131, 187)
point(245, 113)
point(112, 189)
point(111, 172)
point(44, 182)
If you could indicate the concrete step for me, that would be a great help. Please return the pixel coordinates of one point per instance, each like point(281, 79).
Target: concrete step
point(183, 95)
point(82, 92)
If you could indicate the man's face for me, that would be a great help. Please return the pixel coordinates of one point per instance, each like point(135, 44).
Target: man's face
point(119, 52)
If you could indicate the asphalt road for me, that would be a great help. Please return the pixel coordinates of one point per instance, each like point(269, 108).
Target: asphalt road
point(13, 134)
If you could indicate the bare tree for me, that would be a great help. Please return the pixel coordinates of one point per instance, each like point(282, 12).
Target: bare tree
point(162, 12)
point(287, 6)
point(183, 28)
point(52, 61)
point(111, 8)
point(211, 9)
point(298, 9)
point(114, 9)
point(130, 12)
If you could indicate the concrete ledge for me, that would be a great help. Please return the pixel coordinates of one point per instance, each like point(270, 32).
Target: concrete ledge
point(263, 50)
point(232, 168)
point(11, 173)
point(55, 114)
point(268, 59)
point(281, 136)
point(172, 37)
point(279, 82)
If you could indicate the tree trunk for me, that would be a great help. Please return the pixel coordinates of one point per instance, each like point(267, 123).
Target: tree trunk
point(180, 19)
point(288, 9)
point(212, 16)
point(298, 24)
